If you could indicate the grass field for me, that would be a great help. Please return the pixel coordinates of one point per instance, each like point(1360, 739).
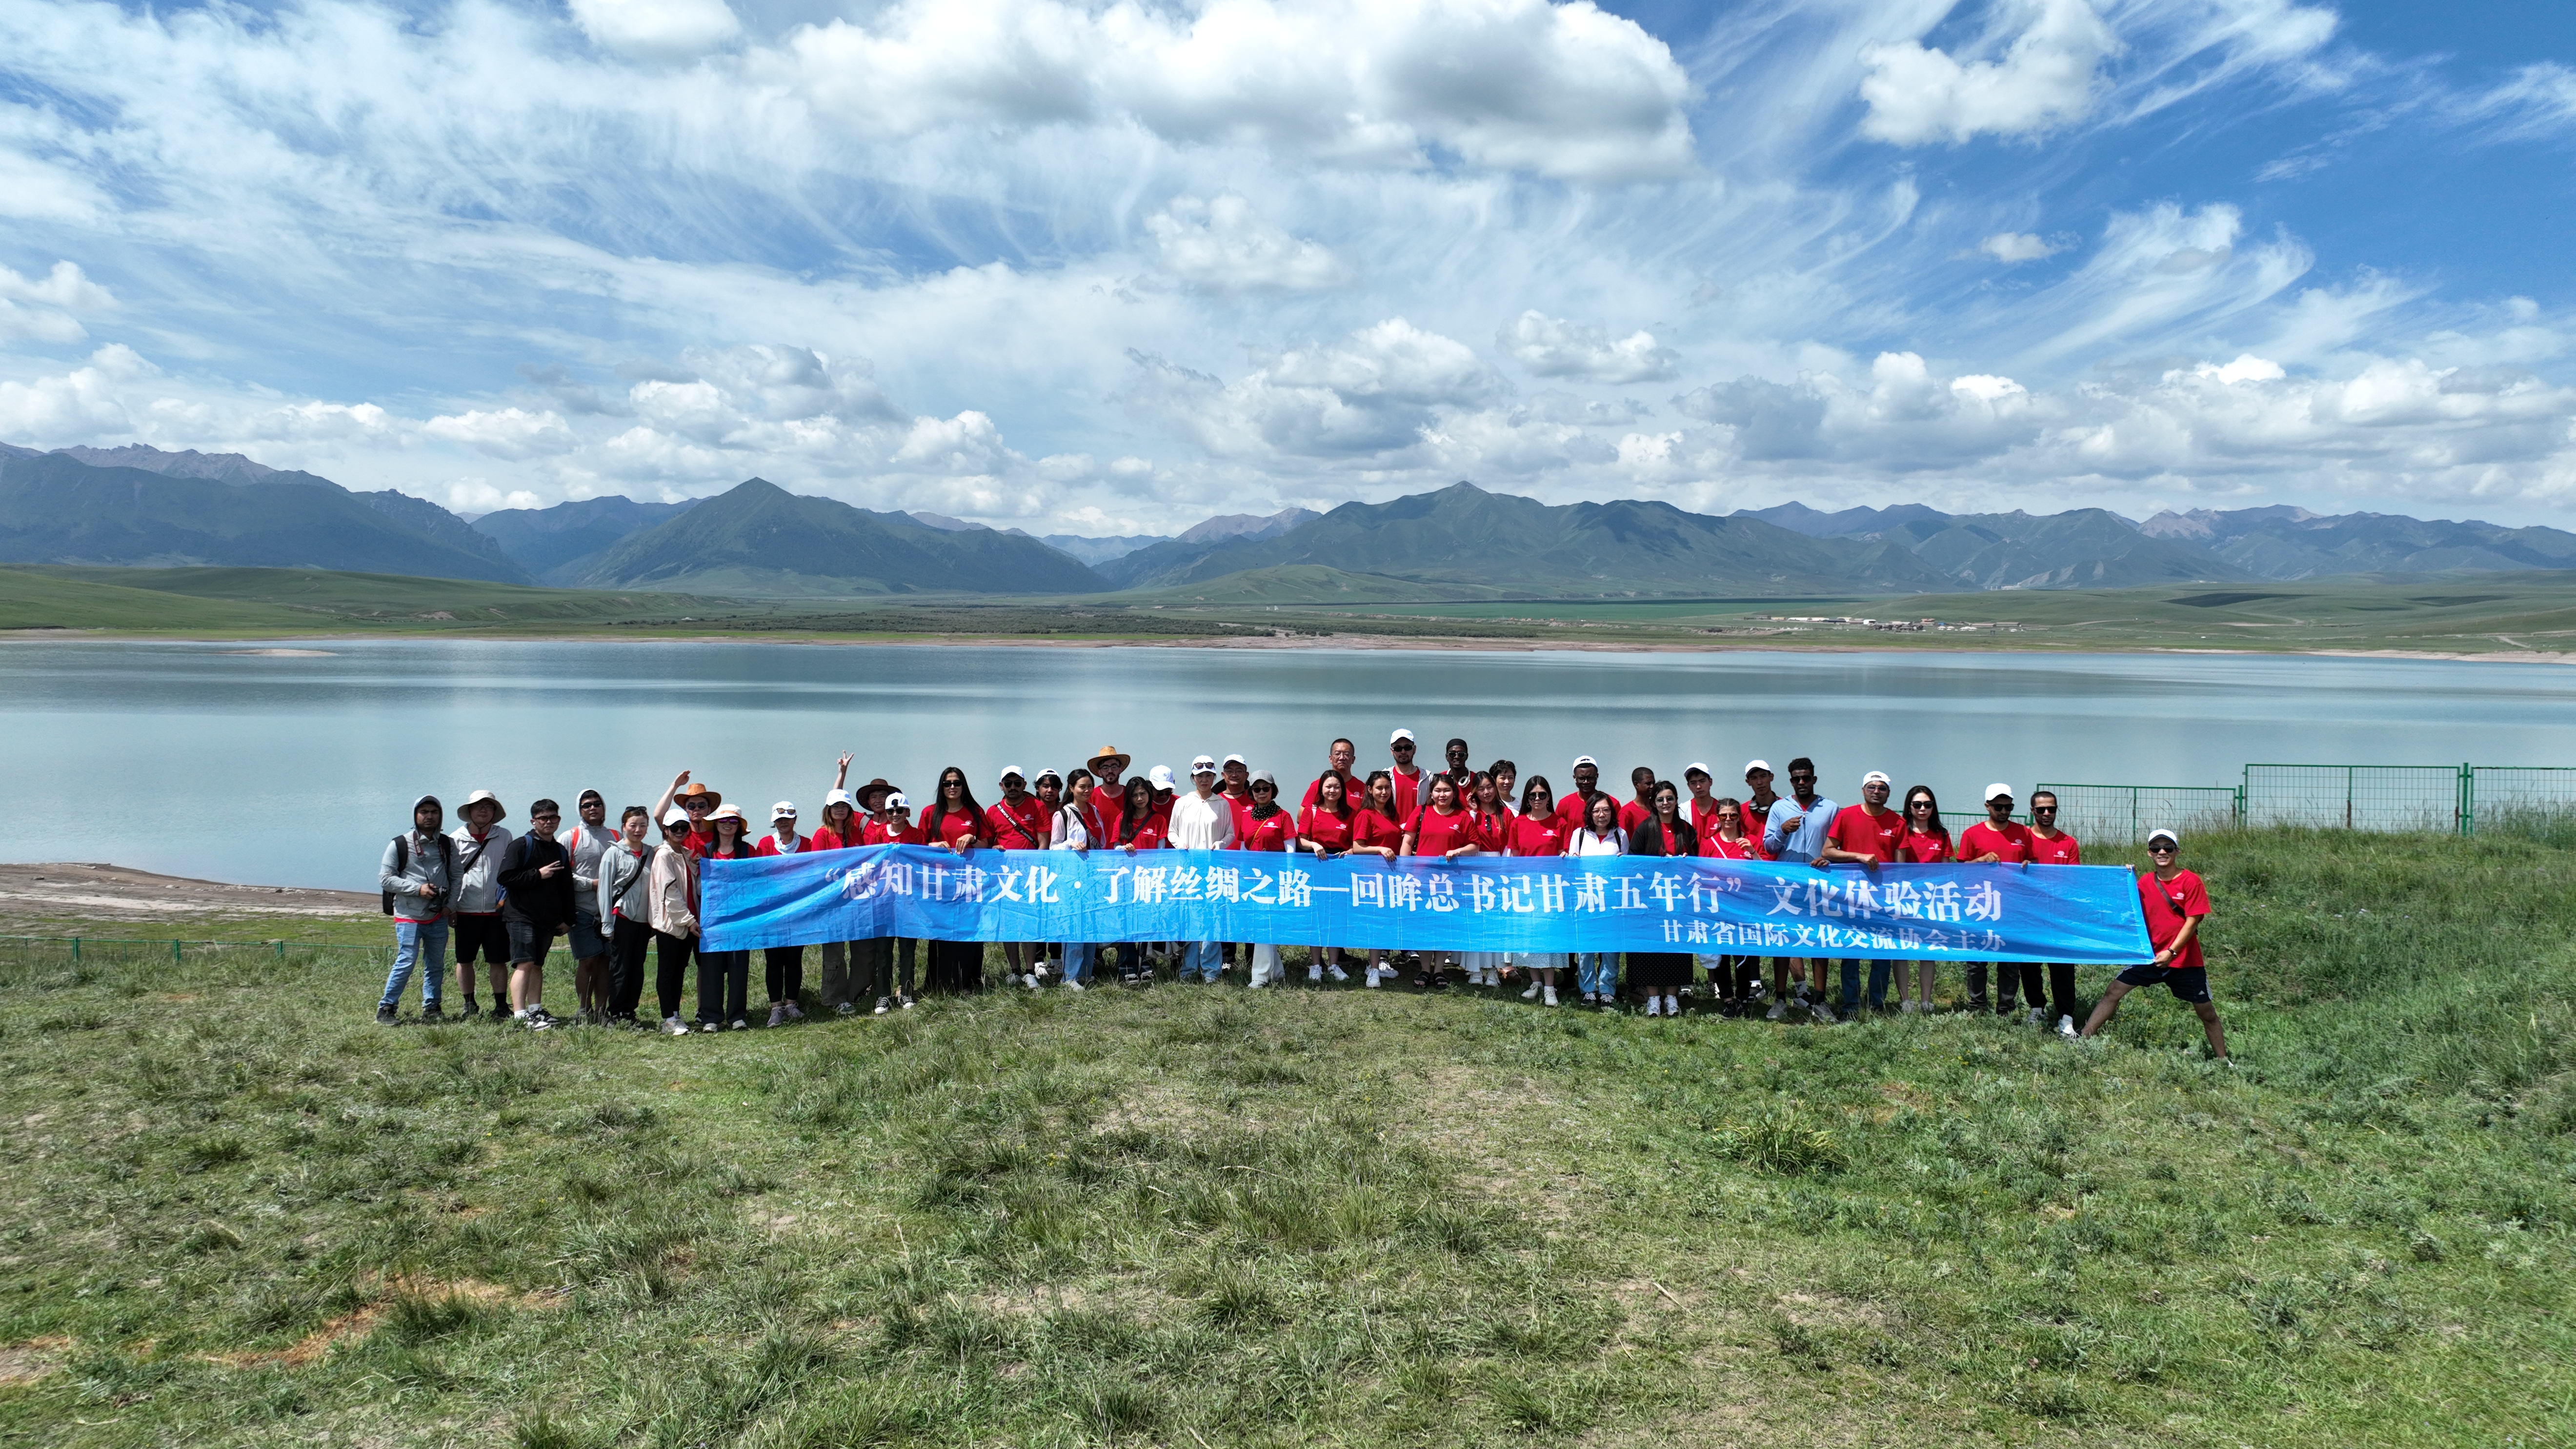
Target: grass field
point(2502, 615)
point(243, 1214)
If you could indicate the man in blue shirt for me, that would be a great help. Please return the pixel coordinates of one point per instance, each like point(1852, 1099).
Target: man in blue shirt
point(1796, 831)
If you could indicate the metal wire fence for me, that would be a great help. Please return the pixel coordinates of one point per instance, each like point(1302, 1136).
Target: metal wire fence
point(2521, 800)
point(2123, 814)
point(2359, 797)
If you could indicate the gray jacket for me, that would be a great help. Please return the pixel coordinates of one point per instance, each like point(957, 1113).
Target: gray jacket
point(407, 869)
point(478, 893)
point(586, 846)
point(625, 885)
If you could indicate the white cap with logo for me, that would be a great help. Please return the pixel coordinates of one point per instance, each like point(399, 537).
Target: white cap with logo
point(1998, 791)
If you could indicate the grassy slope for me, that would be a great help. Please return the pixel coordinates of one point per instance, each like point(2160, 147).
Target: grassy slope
point(1190, 1216)
point(2501, 614)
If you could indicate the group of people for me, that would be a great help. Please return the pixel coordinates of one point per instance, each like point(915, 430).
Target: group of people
point(618, 894)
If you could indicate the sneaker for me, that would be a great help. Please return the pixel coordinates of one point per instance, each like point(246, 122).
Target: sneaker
point(2038, 1017)
point(1010, 978)
point(1822, 1012)
point(777, 1014)
point(738, 1024)
point(1654, 1006)
point(1337, 973)
point(1550, 996)
point(1033, 981)
point(432, 1015)
point(884, 1005)
point(1315, 975)
point(385, 1016)
point(795, 1012)
point(1909, 1006)
point(2066, 1026)
point(538, 1021)
point(708, 1026)
point(500, 1012)
point(1976, 1003)
point(672, 1026)
point(471, 1010)
point(906, 1000)
point(1590, 998)
point(845, 1009)
point(1779, 1012)
point(1531, 994)
point(1372, 979)
point(1672, 1005)
point(2006, 1007)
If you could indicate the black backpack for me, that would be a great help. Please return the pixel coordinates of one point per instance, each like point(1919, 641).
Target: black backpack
point(402, 862)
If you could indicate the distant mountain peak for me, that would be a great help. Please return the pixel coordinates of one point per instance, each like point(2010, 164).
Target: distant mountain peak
point(219, 467)
point(1247, 525)
point(944, 523)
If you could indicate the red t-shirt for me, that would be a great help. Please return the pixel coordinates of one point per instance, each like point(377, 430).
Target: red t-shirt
point(1749, 848)
point(1024, 826)
point(2168, 903)
point(1325, 828)
point(1536, 835)
point(2010, 843)
point(1100, 809)
point(1757, 818)
point(1876, 836)
point(2061, 851)
point(1279, 832)
point(959, 826)
point(1673, 838)
point(1438, 834)
point(1148, 834)
point(1242, 810)
point(1570, 813)
point(1371, 829)
point(1408, 795)
point(1494, 829)
point(826, 838)
point(769, 846)
point(1632, 814)
point(1924, 848)
point(890, 834)
point(1703, 818)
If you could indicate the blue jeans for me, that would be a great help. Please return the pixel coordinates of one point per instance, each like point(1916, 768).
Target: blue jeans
point(1877, 984)
point(414, 941)
point(1202, 957)
point(1597, 971)
point(1078, 956)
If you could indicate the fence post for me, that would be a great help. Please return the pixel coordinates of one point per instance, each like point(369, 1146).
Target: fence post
point(281, 950)
point(76, 950)
point(174, 953)
point(2240, 805)
point(2468, 809)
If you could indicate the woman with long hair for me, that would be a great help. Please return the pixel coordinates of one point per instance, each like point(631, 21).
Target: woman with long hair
point(1926, 842)
point(955, 822)
point(1325, 829)
point(1597, 972)
point(1735, 978)
point(1443, 830)
point(1137, 824)
point(1072, 831)
point(724, 977)
point(1494, 819)
point(1534, 834)
point(1661, 975)
point(1375, 831)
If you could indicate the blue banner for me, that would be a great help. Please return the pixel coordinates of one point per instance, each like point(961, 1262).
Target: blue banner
point(2077, 913)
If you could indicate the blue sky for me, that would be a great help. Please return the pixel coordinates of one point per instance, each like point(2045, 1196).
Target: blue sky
point(1112, 268)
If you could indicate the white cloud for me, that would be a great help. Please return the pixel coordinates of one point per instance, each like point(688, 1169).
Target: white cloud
point(657, 29)
point(2010, 247)
point(475, 497)
point(1221, 246)
point(48, 308)
point(504, 432)
point(1551, 347)
point(2246, 368)
point(2043, 77)
point(1558, 90)
point(1372, 394)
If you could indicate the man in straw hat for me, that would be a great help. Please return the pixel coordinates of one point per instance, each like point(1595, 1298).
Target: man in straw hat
point(699, 802)
point(480, 845)
point(1100, 820)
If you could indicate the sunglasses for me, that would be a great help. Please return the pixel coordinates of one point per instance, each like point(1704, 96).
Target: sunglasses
point(549, 815)
point(2162, 849)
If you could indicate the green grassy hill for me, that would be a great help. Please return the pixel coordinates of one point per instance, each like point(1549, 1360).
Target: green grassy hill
point(241, 1214)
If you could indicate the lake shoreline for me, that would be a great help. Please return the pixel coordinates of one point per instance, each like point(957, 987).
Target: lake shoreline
point(1273, 643)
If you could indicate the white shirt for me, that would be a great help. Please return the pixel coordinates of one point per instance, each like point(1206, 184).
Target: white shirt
point(1587, 843)
point(1201, 824)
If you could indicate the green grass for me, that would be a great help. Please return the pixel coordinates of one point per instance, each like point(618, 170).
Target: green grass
point(242, 1214)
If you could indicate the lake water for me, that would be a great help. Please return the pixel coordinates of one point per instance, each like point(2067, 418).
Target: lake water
point(205, 760)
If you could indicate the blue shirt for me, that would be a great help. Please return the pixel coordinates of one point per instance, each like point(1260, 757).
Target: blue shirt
point(1797, 832)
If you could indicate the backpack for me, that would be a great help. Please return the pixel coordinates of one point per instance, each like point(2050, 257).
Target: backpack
point(402, 862)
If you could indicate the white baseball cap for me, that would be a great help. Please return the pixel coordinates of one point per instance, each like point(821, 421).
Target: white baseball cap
point(676, 816)
point(1998, 791)
point(2164, 833)
point(1160, 777)
point(1404, 735)
point(1236, 760)
point(1582, 760)
point(896, 801)
point(783, 810)
point(1203, 765)
point(838, 797)
point(1877, 777)
point(1696, 768)
point(1752, 765)
point(1049, 774)
point(1008, 771)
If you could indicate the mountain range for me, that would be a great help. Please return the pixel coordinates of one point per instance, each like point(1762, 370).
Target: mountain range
point(136, 505)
